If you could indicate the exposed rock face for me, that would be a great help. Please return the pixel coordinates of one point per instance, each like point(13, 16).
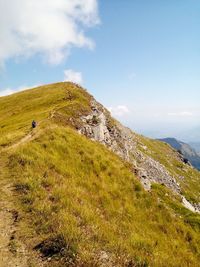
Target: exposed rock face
point(188, 205)
point(121, 140)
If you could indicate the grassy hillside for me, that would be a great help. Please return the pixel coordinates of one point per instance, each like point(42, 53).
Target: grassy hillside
point(80, 204)
point(17, 111)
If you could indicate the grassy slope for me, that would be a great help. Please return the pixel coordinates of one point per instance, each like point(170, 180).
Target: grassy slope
point(76, 194)
point(17, 111)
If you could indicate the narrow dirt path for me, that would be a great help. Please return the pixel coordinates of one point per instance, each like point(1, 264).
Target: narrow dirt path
point(25, 139)
point(12, 252)
point(29, 137)
point(33, 134)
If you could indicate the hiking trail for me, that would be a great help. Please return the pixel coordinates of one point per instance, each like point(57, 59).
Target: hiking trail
point(13, 253)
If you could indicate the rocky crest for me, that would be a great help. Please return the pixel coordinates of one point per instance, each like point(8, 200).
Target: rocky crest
point(99, 126)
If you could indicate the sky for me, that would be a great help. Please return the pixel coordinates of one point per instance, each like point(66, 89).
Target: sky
point(139, 58)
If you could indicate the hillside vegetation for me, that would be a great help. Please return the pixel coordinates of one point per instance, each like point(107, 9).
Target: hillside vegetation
point(187, 177)
point(79, 203)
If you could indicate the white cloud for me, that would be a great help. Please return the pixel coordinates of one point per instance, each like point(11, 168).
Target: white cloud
point(73, 76)
point(46, 27)
point(119, 110)
point(180, 114)
point(10, 91)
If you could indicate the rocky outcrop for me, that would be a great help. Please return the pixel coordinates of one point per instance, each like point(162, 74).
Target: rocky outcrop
point(99, 126)
point(121, 140)
point(193, 207)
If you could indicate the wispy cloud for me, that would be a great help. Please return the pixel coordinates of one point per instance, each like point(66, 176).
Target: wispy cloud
point(181, 114)
point(44, 27)
point(119, 111)
point(73, 76)
point(10, 91)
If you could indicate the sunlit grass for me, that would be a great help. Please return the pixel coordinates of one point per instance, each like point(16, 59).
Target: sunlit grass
point(79, 200)
point(77, 189)
point(17, 111)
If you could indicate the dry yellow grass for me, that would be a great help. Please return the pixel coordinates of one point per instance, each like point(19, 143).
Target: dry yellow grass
point(80, 203)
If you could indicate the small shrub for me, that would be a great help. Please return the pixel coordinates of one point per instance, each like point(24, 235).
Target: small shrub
point(95, 120)
point(56, 245)
point(138, 187)
point(22, 188)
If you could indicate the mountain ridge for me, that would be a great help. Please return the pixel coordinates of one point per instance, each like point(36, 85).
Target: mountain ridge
point(78, 177)
point(185, 149)
point(195, 146)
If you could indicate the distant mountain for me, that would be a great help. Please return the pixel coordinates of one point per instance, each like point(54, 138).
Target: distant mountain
point(186, 150)
point(195, 146)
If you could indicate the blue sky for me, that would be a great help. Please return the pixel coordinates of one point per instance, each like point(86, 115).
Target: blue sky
point(140, 58)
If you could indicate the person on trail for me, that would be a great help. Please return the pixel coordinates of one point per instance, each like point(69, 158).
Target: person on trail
point(34, 124)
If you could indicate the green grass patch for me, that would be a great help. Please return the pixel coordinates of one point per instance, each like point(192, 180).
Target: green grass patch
point(75, 188)
point(80, 204)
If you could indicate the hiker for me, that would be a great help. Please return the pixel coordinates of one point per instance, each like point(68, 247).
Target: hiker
point(34, 124)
